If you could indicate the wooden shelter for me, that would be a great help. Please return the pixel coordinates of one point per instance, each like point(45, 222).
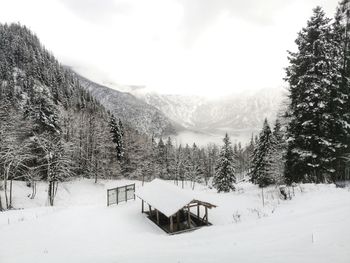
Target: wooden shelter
point(173, 209)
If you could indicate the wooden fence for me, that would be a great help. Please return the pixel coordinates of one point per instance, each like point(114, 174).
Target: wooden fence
point(120, 194)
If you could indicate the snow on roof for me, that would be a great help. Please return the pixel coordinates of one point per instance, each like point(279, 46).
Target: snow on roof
point(165, 197)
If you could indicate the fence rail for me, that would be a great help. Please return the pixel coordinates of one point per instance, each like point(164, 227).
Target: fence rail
point(120, 194)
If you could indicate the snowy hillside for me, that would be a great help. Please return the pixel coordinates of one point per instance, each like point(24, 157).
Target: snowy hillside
point(141, 116)
point(312, 227)
point(245, 111)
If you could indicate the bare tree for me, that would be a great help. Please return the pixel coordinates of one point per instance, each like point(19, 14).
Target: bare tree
point(56, 162)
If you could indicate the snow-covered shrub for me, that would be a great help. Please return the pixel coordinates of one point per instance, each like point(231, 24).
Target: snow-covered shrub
point(236, 217)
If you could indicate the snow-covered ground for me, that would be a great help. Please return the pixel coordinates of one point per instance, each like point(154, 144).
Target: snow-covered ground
point(312, 227)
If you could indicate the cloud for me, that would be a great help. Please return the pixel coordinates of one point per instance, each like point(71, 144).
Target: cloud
point(211, 47)
point(97, 11)
point(199, 14)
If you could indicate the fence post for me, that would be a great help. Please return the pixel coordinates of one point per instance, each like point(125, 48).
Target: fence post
point(117, 190)
point(126, 193)
point(107, 197)
point(134, 192)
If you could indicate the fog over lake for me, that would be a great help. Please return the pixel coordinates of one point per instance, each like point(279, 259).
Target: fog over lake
point(203, 138)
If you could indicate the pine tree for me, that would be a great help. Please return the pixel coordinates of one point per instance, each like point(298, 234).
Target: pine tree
point(260, 173)
point(249, 153)
point(170, 159)
point(161, 160)
point(277, 154)
point(196, 171)
point(340, 94)
point(117, 137)
point(224, 178)
point(316, 101)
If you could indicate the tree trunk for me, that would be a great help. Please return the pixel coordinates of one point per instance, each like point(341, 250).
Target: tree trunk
point(1, 208)
point(33, 189)
point(10, 203)
point(49, 193)
point(5, 192)
point(262, 196)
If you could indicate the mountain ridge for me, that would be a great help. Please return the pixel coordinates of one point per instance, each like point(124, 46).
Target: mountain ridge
point(140, 115)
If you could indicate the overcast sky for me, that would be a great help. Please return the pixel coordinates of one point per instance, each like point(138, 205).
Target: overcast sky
point(206, 47)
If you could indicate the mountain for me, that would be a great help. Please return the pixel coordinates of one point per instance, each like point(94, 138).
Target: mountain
point(245, 111)
point(139, 114)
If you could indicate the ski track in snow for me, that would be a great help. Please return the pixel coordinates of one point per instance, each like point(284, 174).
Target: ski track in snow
point(313, 227)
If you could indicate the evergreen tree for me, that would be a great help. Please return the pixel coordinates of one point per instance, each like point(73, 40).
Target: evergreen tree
point(316, 101)
point(170, 159)
point(260, 173)
point(277, 154)
point(249, 153)
point(117, 137)
point(340, 93)
point(224, 178)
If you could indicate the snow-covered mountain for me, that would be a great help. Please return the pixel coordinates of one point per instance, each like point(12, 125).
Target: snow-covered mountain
point(137, 113)
point(195, 116)
point(245, 111)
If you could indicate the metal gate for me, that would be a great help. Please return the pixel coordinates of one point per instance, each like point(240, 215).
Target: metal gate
point(120, 194)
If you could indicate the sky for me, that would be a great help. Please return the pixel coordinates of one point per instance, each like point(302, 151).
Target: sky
point(198, 47)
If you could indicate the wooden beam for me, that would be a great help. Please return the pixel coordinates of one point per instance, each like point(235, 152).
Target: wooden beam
point(171, 224)
point(178, 220)
point(107, 197)
point(206, 215)
point(195, 204)
point(189, 217)
point(203, 203)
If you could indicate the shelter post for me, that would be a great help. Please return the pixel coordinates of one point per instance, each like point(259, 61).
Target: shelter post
point(189, 216)
point(171, 224)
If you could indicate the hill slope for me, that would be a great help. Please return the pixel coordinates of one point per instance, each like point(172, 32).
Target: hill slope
point(141, 116)
point(245, 111)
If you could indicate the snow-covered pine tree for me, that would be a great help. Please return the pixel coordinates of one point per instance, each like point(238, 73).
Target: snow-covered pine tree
point(170, 159)
point(117, 137)
point(196, 170)
point(161, 160)
point(313, 76)
point(277, 154)
point(249, 154)
point(224, 178)
point(340, 94)
point(260, 173)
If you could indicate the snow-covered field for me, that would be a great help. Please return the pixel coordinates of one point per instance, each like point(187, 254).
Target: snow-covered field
point(312, 227)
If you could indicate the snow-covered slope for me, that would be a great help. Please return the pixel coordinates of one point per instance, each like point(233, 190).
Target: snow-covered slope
point(140, 115)
point(245, 111)
point(313, 227)
point(179, 108)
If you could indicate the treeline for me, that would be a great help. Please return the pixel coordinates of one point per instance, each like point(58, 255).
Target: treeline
point(187, 163)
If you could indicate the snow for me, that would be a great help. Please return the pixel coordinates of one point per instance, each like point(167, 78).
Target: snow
point(312, 227)
point(164, 196)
